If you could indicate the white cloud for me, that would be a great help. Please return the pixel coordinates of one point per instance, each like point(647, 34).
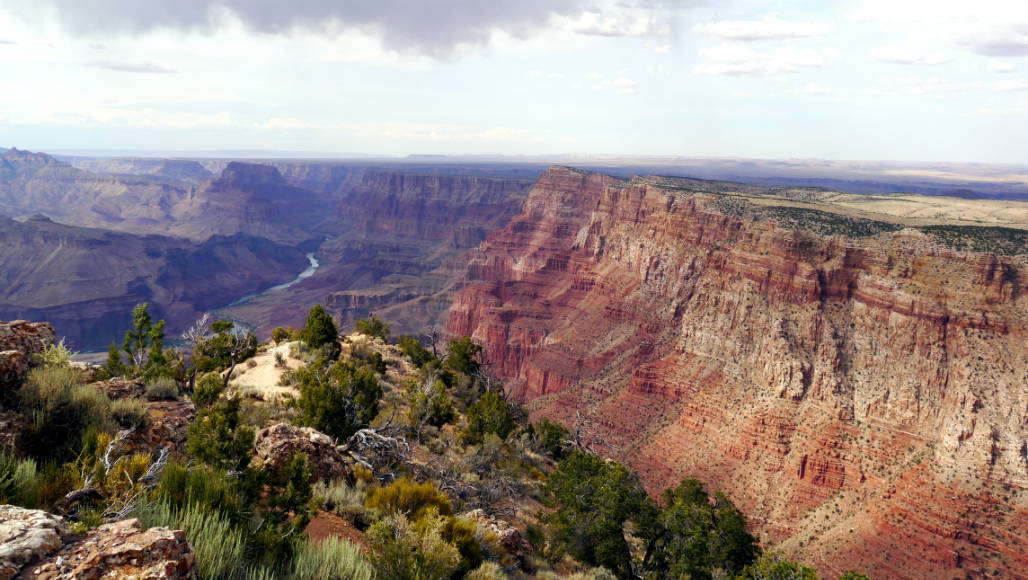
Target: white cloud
point(1010, 86)
point(734, 59)
point(662, 49)
point(999, 66)
point(908, 55)
point(766, 29)
point(621, 85)
point(283, 124)
point(812, 89)
point(442, 132)
point(133, 67)
point(122, 117)
point(622, 23)
point(996, 28)
point(934, 85)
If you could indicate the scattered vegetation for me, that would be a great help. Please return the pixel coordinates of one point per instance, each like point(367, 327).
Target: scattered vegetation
point(321, 332)
point(434, 455)
point(372, 326)
point(998, 240)
point(824, 223)
point(162, 389)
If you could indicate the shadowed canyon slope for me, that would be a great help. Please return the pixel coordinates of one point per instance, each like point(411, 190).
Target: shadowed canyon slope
point(86, 281)
point(246, 198)
point(856, 386)
point(397, 247)
point(387, 240)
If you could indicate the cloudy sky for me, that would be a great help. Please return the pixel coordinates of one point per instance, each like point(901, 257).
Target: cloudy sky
point(911, 80)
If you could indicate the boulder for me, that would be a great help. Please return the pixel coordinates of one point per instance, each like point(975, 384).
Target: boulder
point(275, 446)
point(121, 388)
point(26, 536)
point(169, 421)
point(510, 538)
point(19, 341)
point(122, 550)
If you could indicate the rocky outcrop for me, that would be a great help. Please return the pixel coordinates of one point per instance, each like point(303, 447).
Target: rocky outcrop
point(276, 445)
point(121, 550)
point(856, 387)
point(19, 342)
point(509, 537)
point(26, 536)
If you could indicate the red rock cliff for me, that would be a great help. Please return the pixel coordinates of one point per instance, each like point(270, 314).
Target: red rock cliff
point(862, 398)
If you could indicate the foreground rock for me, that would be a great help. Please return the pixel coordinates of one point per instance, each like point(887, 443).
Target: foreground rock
point(121, 550)
point(26, 536)
point(275, 446)
point(19, 342)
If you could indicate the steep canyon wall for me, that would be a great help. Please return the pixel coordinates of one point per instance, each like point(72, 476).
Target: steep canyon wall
point(857, 387)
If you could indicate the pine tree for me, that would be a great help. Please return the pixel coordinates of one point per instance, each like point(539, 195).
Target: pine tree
point(320, 331)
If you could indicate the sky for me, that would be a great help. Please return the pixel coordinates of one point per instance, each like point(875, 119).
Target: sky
point(894, 80)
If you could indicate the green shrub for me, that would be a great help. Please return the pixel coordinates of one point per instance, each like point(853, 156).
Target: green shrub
point(207, 390)
point(60, 409)
point(330, 558)
point(365, 353)
point(19, 482)
point(113, 366)
point(55, 355)
point(372, 326)
point(337, 402)
point(162, 389)
point(219, 546)
point(429, 404)
point(463, 535)
point(490, 414)
point(261, 573)
point(55, 480)
point(130, 413)
point(320, 331)
point(218, 438)
point(462, 355)
point(487, 571)
point(412, 349)
point(280, 334)
point(551, 438)
point(202, 486)
point(337, 494)
point(773, 566)
point(413, 500)
point(592, 574)
point(405, 550)
point(594, 499)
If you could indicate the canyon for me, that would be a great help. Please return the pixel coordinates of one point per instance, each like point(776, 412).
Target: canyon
point(849, 369)
point(210, 233)
point(86, 281)
point(856, 386)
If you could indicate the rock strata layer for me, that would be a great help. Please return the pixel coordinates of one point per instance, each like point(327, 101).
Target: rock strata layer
point(856, 387)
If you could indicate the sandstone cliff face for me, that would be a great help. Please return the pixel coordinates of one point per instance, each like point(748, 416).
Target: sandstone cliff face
point(861, 397)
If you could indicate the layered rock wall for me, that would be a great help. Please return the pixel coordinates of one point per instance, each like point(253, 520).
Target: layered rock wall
point(860, 396)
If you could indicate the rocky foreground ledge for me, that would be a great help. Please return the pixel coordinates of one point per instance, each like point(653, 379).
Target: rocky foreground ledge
point(36, 544)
